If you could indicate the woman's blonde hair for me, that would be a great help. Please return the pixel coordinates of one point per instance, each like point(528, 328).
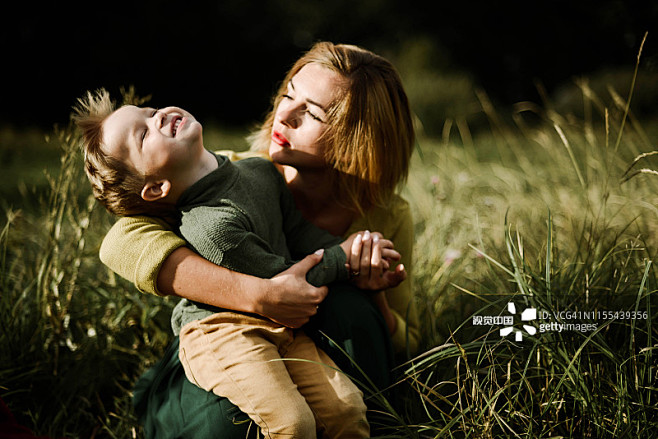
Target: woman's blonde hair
point(115, 184)
point(370, 129)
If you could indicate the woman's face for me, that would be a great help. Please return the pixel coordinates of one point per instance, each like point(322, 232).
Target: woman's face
point(301, 117)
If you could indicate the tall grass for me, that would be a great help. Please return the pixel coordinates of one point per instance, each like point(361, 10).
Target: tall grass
point(543, 209)
point(541, 214)
point(73, 337)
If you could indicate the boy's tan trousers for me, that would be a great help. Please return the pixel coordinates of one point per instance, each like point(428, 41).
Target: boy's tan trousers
point(276, 375)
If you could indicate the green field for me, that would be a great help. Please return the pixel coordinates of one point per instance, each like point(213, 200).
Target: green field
point(548, 207)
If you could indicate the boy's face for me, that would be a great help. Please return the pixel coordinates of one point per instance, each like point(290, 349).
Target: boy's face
point(157, 143)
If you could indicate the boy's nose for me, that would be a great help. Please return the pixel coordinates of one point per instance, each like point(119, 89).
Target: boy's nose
point(159, 119)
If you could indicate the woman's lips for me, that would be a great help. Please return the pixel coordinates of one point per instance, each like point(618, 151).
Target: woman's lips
point(280, 139)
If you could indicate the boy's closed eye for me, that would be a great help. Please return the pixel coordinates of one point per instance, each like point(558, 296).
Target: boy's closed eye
point(145, 132)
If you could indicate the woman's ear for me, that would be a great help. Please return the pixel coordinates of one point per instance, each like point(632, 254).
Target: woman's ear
point(156, 190)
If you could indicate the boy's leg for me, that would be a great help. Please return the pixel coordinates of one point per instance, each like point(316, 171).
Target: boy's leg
point(335, 400)
point(349, 323)
point(353, 332)
point(237, 356)
point(169, 406)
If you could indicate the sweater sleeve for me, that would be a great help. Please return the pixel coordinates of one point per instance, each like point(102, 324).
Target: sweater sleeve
point(395, 222)
point(400, 298)
point(136, 247)
point(222, 235)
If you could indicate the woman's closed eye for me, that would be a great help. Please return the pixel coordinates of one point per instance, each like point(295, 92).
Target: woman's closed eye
point(312, 114)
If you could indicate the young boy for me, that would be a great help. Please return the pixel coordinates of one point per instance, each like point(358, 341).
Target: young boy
point(241, 216)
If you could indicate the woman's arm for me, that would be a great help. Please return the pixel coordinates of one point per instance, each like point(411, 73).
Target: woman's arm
point(286, 298)
point(397, 304)
point(373, 256)
point(400, 299)
point(144, 251)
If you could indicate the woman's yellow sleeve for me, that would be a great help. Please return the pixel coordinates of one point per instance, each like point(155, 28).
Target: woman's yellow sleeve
point(400, 299)
point(136, 247)
point(396, 223)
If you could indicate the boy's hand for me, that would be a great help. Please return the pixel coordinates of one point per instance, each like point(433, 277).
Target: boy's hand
point(369, 259)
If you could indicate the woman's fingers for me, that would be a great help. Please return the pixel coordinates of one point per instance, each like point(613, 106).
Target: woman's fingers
point(370, 258)
point(376, 258)
point(390, 254)
point(355, 255)
point(366, 257)
point(388, 250)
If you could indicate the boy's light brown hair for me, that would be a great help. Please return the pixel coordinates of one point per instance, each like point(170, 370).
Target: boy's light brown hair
point(370, 129)
point(115, 184)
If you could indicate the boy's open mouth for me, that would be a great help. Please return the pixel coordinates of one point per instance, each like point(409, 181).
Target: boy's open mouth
point(176, 122)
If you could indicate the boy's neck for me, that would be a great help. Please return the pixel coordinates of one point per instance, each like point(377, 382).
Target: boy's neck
point(205, 165)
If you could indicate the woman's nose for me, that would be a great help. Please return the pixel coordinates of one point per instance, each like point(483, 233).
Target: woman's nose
point(288, 117)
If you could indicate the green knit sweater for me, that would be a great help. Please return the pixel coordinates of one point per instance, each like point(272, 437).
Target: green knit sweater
point(243, 217)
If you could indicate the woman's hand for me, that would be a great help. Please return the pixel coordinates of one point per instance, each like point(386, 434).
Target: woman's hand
point(290, 300)
point(369, 259)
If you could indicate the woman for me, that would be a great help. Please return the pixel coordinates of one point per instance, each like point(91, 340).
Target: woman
point(342, 162)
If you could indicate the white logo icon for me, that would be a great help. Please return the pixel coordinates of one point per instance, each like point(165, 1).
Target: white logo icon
point(527, 315)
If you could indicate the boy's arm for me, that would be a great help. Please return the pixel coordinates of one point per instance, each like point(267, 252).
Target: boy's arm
point(222, 235)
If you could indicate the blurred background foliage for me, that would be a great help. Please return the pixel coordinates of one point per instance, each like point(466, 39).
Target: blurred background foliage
point(223, 59)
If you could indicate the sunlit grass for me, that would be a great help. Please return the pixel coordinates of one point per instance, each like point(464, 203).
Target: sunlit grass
point(549, 215)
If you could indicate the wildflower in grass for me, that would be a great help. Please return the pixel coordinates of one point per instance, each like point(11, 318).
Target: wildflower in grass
point(451, 255)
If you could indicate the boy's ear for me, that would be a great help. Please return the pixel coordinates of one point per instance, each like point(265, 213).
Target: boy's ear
point(156, 190)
